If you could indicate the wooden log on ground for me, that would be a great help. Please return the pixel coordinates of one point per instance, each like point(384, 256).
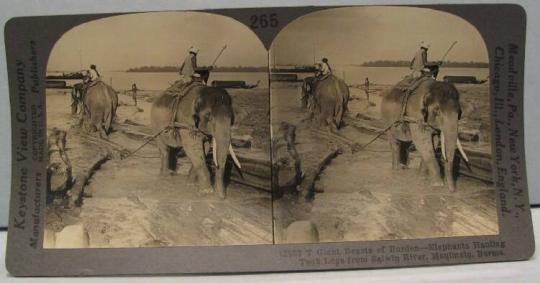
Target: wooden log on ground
point(255, 167)
point(467, 135)
point(286, 165)
point(244, 141)
point(311, 174)
point(105, 150)
point(256, 171)
point(257, 182)
point(480, 168)
point(77, 190)
point(480, 162)
point(340, 139)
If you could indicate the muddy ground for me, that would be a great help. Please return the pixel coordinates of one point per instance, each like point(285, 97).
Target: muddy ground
point(127, 203)
point(359, 197)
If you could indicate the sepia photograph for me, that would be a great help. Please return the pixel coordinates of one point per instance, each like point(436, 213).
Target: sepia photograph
point(158, 134)
point(181, 129)
point(380, 127)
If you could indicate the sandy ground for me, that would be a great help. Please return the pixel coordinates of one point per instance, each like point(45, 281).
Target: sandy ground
point(358, 196)
point(361, 198)
point(132, 206)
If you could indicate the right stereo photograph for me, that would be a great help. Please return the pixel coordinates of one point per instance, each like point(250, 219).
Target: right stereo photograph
point(380, 127)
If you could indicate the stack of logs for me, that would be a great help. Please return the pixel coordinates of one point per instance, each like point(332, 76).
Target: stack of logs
point(480, 162)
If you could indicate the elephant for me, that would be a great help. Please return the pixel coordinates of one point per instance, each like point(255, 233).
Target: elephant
point(205, 113)
point(77, 96)
point(330, 99)
point(100, 103)
point(431, 108)
point(308, 85)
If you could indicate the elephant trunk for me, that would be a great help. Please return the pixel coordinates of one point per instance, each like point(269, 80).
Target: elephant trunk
point(220, 147)
point(449, 136)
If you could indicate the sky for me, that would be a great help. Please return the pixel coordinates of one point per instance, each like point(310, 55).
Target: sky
point(159, 39)
point(350, 35)
point(354, 35)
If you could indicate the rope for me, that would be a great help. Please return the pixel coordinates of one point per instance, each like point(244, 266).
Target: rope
point(146, 142)
point(380, 134)
point(176, 125)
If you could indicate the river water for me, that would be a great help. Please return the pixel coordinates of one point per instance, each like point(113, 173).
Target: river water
point(351, 74)
point(161, 81)
point(391, 75)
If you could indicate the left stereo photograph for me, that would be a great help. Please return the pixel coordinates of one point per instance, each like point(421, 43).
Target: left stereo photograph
point(152, 120)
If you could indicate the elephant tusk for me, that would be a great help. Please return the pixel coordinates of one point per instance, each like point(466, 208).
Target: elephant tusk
point(214, 153)
point(460, 148)
point(443, 147)
point(234, 158)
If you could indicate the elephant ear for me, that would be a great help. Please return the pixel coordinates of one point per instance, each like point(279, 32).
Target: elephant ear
point(196, 120)
point(431, 113)
point(197, 104)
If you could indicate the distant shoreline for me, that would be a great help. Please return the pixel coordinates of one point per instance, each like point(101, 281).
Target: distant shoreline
point(267, 69)
point(403, 63)
point(213, 71)
point(175, 69)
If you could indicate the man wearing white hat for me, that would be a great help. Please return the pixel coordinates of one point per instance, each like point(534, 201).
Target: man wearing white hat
point(323, 68)
point(419, 62)
point(187, 69)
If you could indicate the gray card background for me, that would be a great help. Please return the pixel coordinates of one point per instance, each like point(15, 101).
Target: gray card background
point(17, 8)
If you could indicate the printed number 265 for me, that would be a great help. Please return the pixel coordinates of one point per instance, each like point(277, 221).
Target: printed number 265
point(263, 21)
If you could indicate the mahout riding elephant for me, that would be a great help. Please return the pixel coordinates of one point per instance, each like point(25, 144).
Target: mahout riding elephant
point(204, 114)
point(431, 108)
point(330, 99)
point(100, 103)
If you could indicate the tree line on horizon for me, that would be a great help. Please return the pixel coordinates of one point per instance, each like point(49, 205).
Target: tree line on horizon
point(406, 63)
point(167, 69)
point(376, 63)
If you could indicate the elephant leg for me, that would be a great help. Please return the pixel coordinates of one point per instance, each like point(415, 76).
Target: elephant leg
point(404, 152)
point(102, 134)
point(102, 131)
point(338, 110)
point(192, 175)
point(332, 126)
point(422, 140)
point(164, 153)
point(395, 148)
point(193, 146)
point(74, 107)
point(423, 169)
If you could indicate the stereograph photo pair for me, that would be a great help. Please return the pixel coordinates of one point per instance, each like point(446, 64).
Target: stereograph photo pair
point(267, 139)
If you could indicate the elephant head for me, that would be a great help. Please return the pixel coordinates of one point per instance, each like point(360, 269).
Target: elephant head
point(442, 111)
point(214, 115)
